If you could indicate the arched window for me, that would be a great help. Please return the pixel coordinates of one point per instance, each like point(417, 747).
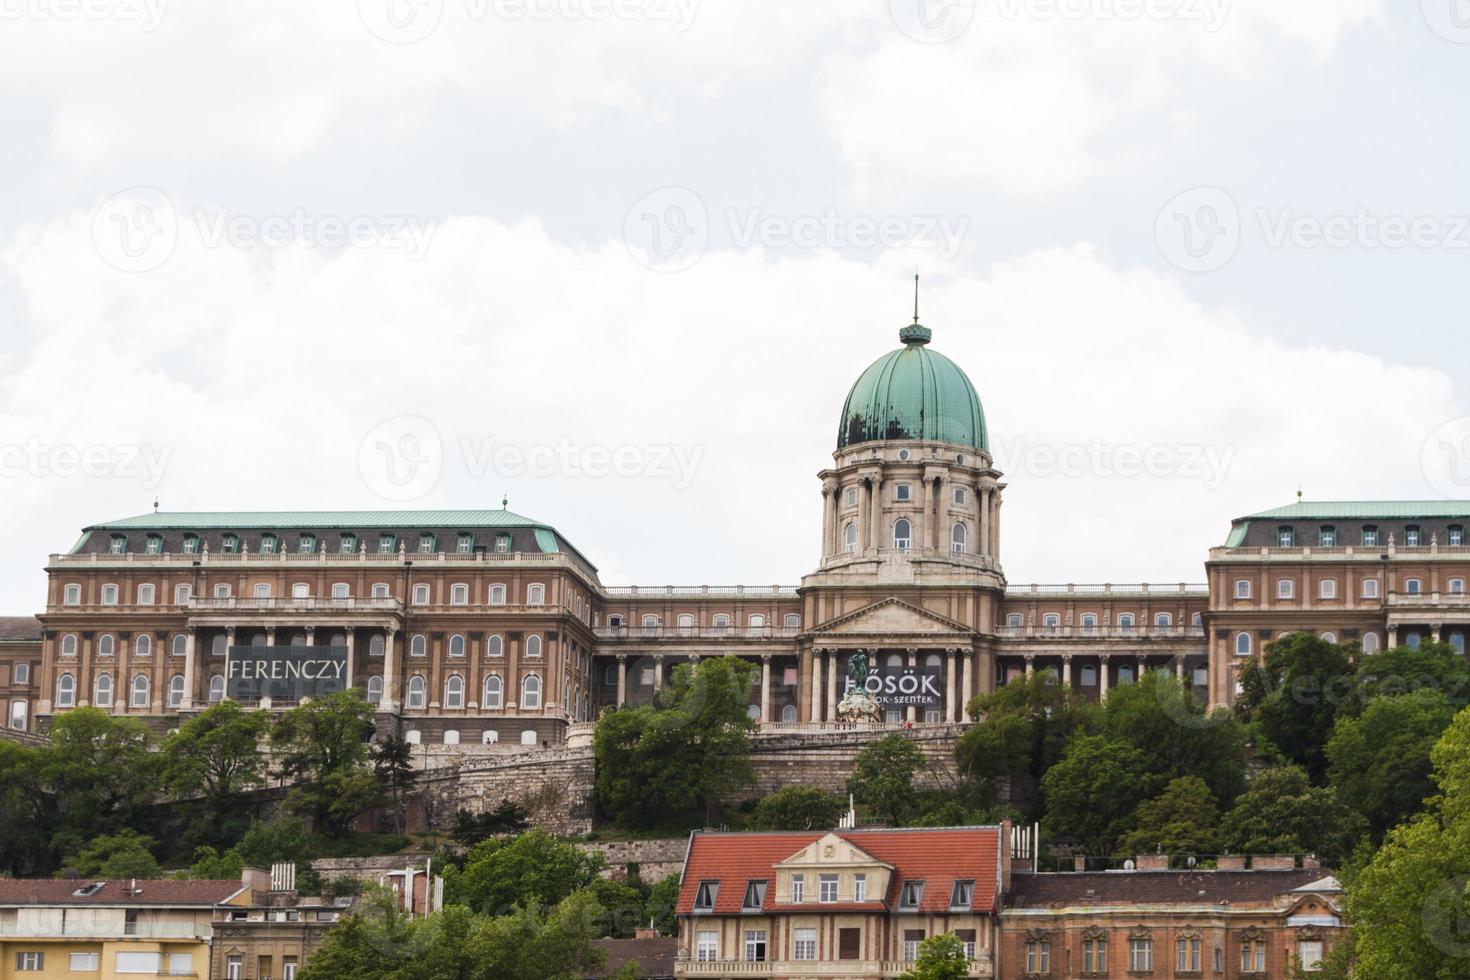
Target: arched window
point(1413, 586)
point(686, 622)
point(180, 644)
point(418, 646)
point(413, 736)
point(792, 621)
point(1125, 622)
point(376, 645)
point(145, 595)
point(757, 621)
point(489, 736)
point(1089, 676)
point(650, 621)
point(416, 689)
point(533, 645)
point(494, 692)
point(216, 688)
point(106, 645)
point(341, 590)
point(1457, 640)
point(381, 591)
point(933, 660)
point(143, 646)
point(66, 691)
point(531, 692)
point(454, 692)
point(1329, 637)
point(1457, 586)
point(849, 537)
point(176, 690)
point(894, 660)
point(1089, 622)
point(1051, 622)
point(451, 736)
point(102, 691)
point(497, 595)
point(1370, 643)
point(69, 645)
point(375, 688)
point(1125, 675)
point(109, 595)
point(182, 594)
point(459, 595)
point(957, 539)
point(420, 595)
point(494, 645)
point(722, 622)
point(301, 590)
point(1327, 588)
point(222, 591)
point(72, 596)
point(1285, 588)
point(535, 595)
point(1015, 619)
point(1242, 588)
point(903, 534)
point(1413, 640)
point(528, 736)
point(1163, 619)
point(456, 645)
point(788, 714)
point(263, 591)
point(140, 691)
point(1242, 644)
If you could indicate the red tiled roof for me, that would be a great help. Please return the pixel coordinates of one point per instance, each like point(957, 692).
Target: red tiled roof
point(20, 628)
point(150, 891)
point(655, 957)
point(937, 856)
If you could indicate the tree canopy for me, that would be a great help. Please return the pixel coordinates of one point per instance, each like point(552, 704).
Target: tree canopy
point(882, 777)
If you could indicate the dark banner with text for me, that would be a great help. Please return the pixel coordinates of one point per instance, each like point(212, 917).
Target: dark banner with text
point(284, 673)
point(899, 687)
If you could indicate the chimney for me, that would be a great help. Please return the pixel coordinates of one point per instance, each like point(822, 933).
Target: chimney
point(1312, 862)
point(1273, 862)
point(255, 879)
point(643, 932)
point(1153, 862)
point(1230, 862)
point(1079, 862)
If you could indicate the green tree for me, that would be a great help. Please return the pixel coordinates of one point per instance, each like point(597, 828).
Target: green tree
point(1184, 819)
point(125, 854)
point(1409, 904)
point(322, 748)
point(1403, 670)
point(883, 776)
point(1283, 813)
point(1379, 759)
point(508, 817)
point(941, 957)
point(393, 765)
point(1021, 732)
point(23, 811)
point(210, 864)
point(797, 808)
point(673, 760)
point(1293, 694)
point(658, 908)
point(97, 773)
point(1091, 793)
point(532, 869)
point(216, 755)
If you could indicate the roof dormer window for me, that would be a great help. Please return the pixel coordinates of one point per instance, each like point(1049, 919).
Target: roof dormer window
point(705, 895)
point(1327, 537)
point(963, 895)
point(1286, 537)
point(910, 895)
point(267, 544)
point(755, 897)
point(1413, 537)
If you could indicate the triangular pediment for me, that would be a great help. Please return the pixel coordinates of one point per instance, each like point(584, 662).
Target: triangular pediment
point(891, 615)
point(831, 850)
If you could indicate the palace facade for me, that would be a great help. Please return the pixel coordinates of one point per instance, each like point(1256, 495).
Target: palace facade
point(487, 628)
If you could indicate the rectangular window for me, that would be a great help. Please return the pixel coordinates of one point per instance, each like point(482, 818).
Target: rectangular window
point(1370, 537)
point(84, 962)
point(1370, 588)
point(1140, 955)
point(30, 961)
point(901, 492)
point(827, 888)
point(234, 968)
point(1329, 588)
point(910, 895)
point(849, 944)
point(1327, 537)
point(804, 944)
point(967, 937)
point(755, 945)
point(798, 888)
point(1188, 955)
point(704, 897)
point(1412, 537)
point(959, 495)
point(1094, 956)
point(911, 940)
point(1038, 956)
point(860, 888)
point(851, 496)
point(466, 544)
point(963, 895)
point(182, 964)
point(22, 674)
point(385, 544)
point(755, 896)
point(1285, 588)
point(707, 947)
point(139, 963)
point(1310, 953)
point(1457, 537)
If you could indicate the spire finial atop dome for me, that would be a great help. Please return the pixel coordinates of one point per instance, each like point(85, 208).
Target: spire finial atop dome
point(916, 297)
point(915, 335)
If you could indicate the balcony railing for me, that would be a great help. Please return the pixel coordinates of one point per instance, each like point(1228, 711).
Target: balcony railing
point(979, 968)
point(1108, 588)
point(717, 591)
point(327, 557)
point(695, 632)
point(1101, 632)
point(1360, 552)
point(292, 604)
point(1427, 600)
point(106, 930)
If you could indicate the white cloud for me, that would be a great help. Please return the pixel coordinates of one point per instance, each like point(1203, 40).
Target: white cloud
point(260, 371)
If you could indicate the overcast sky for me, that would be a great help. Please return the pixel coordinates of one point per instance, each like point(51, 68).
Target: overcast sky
point(620, 260)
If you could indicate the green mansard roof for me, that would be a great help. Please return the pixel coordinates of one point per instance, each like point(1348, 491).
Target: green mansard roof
point(310, 520)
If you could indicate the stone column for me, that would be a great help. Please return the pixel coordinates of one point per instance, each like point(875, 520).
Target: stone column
point(229, 642)
point(864, 518)
point(765, 688)
point(1030, 665)
point(352, 657)
point(1393, 637)
point(187, 703)
point(390, 671)
point(912, 714)
point(922, 532)
point(658, 672)
point(1102, 677)
point(816, 691)
point(270, 636)
point(995, 524)
point(1067, 671)
point(983, 503)
point(1179, 667)
point(831, 686)
point(875, 512)
point(968, 666)
point(622, 678)
point(950, 694)
point(829, 520)
point(1437, 628)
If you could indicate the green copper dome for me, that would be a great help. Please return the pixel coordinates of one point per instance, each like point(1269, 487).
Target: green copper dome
point(913, 393)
